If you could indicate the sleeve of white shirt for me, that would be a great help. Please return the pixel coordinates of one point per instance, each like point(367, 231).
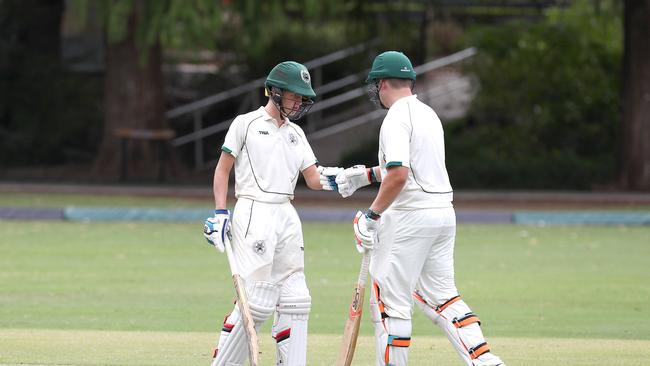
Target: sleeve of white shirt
point(308, 157)
point(396, 140)
point(234, 140)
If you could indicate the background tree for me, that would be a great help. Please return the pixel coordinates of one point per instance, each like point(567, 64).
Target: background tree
point(137, 31)
point(635, 172)
point(547, 112)
point(38, 124)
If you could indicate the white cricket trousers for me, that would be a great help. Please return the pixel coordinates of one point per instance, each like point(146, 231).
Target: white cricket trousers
point(267, 240)
point(415, 249)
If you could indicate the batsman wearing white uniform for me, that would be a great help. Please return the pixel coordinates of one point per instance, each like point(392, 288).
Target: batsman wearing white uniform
point(268, 152)
point(411, 224)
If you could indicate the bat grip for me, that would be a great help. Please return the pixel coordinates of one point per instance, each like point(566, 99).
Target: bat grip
point(365, 264)
point(229, 256)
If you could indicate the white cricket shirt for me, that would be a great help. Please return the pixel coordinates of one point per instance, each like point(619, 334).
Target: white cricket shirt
point(268, 158)
point(411, 135)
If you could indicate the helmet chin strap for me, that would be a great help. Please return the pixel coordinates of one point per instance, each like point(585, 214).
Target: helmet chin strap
point(276, 98)
point(292, 114)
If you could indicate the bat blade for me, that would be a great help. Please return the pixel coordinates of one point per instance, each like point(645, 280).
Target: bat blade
point(244, 308)
point(351, 330)
point(247, 320)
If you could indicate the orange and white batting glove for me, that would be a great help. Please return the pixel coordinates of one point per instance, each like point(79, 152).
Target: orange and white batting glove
point(365, 229)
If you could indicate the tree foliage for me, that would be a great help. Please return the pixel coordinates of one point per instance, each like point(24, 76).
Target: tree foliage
point(173, 23)
point(547, 113)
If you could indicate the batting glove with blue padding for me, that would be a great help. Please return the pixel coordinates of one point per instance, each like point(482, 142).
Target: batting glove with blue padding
point(328, 177)
point(365, 229)
point(217, 229)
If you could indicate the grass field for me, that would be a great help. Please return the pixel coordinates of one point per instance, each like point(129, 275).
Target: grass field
point(155, 294)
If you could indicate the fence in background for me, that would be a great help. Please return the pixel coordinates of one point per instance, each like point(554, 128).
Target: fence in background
point(316, 127)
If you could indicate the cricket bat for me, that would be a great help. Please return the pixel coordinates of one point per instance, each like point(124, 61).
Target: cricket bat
point(244, 309)
point(354, 315)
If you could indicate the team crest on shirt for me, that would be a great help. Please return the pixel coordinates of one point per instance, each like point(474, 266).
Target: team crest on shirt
point(259, 247)
point(293, 139)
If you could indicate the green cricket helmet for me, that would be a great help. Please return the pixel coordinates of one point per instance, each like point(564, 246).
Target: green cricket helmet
point(291, 76)
point(294, 77)
point(391, 65)
point(388, 65)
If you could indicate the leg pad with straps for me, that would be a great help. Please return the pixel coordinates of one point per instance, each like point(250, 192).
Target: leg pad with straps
point(290, 326)
point(462, 327)
point(233, 344)
point(392, 335)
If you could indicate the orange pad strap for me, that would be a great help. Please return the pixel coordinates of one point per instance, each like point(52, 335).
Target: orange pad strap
point(466, 320)
point(476, 352)
point(399, 341)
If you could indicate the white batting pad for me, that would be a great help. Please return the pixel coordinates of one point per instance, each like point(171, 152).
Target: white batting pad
point(233, 344)
point(290, 327)
point(392, 335)
point(462, 328)
point(262, 298)
point(233, 348)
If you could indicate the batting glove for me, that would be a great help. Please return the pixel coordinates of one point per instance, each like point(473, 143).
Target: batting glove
point(365, 229)
point(217, 229)
point(352, 179)
point(328, 177)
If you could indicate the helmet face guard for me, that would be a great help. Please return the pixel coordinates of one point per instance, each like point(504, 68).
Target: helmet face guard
point(373, 94)
point(293, 114)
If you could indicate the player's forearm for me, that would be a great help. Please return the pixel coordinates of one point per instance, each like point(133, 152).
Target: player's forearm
point(221, 177)
point(312, 178)
point(390, 188)
point(220, 189)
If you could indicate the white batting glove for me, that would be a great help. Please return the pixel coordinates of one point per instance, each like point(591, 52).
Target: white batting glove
point(352, 179)
point(328, 177)
point(217, 229)
point(365, 229)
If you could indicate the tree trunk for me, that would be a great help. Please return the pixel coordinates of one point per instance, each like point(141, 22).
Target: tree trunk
point(635, 167)
point(133, 98)
point(30, 58)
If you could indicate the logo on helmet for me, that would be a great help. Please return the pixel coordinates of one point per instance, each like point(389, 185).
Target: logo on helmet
point(304, 75)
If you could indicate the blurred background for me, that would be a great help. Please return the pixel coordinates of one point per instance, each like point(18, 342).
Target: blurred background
point(113, 112)
point(533, 94)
